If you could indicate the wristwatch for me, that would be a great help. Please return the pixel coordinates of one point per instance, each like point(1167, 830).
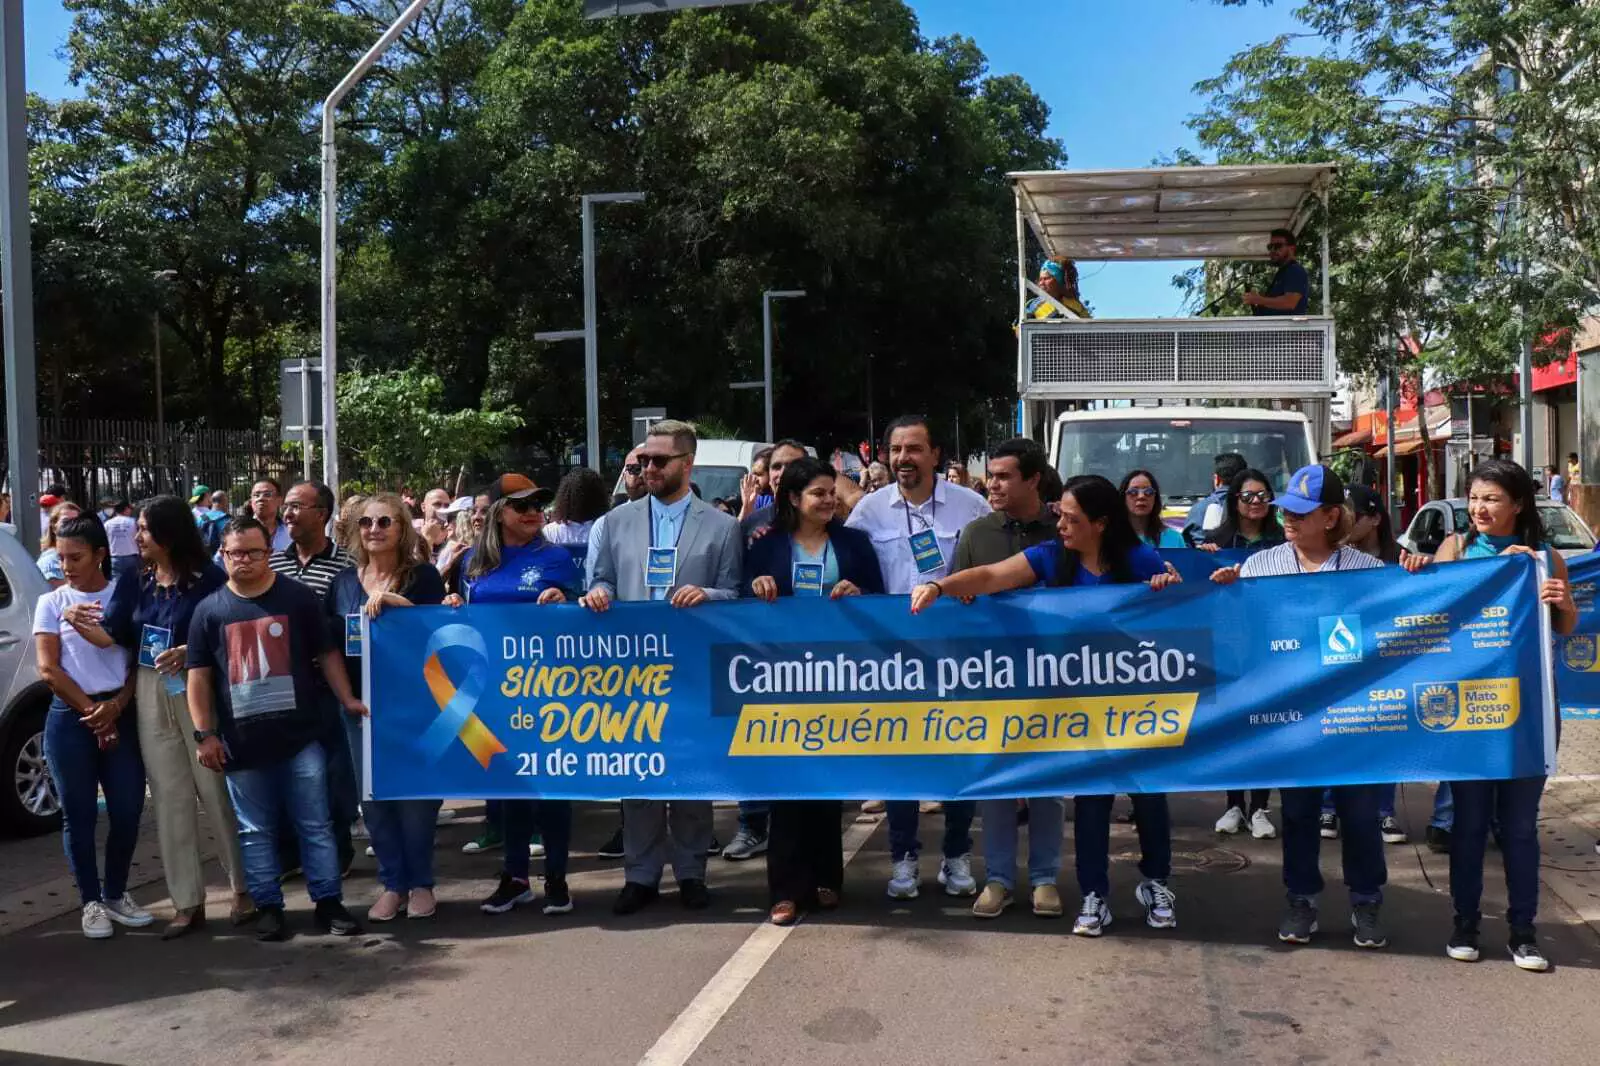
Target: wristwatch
point(202, 735)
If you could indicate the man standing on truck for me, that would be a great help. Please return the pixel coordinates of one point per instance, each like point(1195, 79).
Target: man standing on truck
point(1290, 291)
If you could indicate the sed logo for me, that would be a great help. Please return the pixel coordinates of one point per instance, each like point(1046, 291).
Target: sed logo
point(1496, 612)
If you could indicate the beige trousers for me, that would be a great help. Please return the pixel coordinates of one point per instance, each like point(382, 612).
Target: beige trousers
point(177, 780)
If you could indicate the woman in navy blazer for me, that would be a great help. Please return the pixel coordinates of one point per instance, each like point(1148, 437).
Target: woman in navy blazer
point(808, 552)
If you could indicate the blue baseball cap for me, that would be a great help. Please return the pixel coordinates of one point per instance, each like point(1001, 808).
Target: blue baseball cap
point(1311, 487)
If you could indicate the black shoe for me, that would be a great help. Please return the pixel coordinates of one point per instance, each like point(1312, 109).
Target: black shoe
point(694, 895)
point(1438, 840)
point(270, 926)
point(507, 895)
point(333, 918)
point(1463, 945)
point(612, 849)
point(1524, 947)
point(1022, 814)
point(715, 848)
point(557, 900)
point(634, 897)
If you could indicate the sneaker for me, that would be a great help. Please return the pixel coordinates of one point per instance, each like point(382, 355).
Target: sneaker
point(956, 876)
point(1389, 826)
point(126, 912)
point(1231, 822)
point(536, 847)
point(993, 901)
point(930, 807)
point(1463, 945)
point(1368, 926)
point(557, 900)
point(96, 921)
point(509, 893)
point(873, 807)
point(446, 814)
point(1438, 840)
point(389, 906)
point(634, 897)
point(713, 848)
point(1329, 826)
point(331, 917)
point(746, 844)
point(612, 848)
point(270, 925)
point(1093, 916)
point(1524, 947)
point(1261, 826)
point(489, 840)
point(905, 881)
point(1299, 922)
point(1157, 898)
point(372, 852)
point(1047, 902)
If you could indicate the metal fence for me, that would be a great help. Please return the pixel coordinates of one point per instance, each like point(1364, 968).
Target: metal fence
point(96, 458)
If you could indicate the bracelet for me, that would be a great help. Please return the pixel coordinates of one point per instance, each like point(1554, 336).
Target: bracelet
point(938, 586)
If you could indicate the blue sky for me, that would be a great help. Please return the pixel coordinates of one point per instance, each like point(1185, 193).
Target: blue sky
point(1118, 76)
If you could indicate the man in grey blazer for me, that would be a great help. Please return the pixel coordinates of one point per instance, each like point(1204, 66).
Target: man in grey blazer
point(670, 547)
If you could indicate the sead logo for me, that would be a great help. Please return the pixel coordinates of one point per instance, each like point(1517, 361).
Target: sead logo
point(1341, 639)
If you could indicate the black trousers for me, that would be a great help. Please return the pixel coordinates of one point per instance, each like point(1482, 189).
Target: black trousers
point(805, 850)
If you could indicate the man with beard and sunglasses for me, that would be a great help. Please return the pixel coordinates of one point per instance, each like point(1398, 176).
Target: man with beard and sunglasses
point(914, 523)
point(670, 547)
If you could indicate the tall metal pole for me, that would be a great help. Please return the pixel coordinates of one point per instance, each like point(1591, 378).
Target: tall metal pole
point(591, 342)
point(766, 361)
point(1388, 415)
point(330, 229)
point(16, 279)
point(161, 407)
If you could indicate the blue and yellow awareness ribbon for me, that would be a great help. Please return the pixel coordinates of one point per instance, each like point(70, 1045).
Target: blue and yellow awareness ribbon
point(456, 703)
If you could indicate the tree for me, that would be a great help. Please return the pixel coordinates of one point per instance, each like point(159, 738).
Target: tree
point(394, 425)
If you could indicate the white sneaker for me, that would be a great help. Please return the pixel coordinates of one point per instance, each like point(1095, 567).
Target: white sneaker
point(126, 912)
point(535, 850)
point(371, 852)
point(956, 876)
point(905, 882)
point(1261, 826)
point(96, 921)
point(1231, 822)
point(1093, 916)
point(1159, 911)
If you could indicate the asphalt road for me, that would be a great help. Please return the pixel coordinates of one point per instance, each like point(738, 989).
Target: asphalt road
point(920, 982)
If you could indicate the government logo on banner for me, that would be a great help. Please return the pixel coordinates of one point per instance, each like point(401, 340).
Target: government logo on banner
point(1341, 639)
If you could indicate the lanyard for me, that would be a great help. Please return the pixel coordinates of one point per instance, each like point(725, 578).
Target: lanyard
point(683, 520)
point(933, 512)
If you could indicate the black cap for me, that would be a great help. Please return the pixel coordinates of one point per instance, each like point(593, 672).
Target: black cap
point(1363, 502)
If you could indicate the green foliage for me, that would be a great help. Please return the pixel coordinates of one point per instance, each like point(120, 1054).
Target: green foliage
point(395, 426)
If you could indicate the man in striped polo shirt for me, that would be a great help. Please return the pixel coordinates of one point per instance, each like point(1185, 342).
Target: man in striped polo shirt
point(314, 560)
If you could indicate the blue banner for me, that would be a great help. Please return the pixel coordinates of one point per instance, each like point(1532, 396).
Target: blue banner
point(1369, 676)
point(1196, 566)
point(1577, 661)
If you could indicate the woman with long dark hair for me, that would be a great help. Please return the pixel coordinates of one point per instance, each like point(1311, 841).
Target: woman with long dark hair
point(1250, 521)
point(1143, 496)
point(809, 552)
point(1097, 546)
point(1371, 530)
point(1505, 521)
point(89, 744)
point(581, 498)
point(149, 615)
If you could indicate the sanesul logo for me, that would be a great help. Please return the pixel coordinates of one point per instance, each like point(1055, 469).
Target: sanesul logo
point(1340, 638)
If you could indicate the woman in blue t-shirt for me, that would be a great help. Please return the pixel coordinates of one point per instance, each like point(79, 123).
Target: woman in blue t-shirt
point(1143, 496)
point(1505, 521)
point(386, 575)
point(512, 562)
point(1098, 546)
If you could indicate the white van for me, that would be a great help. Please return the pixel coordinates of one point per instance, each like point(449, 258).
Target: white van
point(719, 465)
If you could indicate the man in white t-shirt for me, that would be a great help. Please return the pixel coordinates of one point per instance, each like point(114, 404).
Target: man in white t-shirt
point(120, 529)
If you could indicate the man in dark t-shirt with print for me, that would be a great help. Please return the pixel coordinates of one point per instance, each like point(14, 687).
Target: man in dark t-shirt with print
point(254, 648)
point(1290, 291)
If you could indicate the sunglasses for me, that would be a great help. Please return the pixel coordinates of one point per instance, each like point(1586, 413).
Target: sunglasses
point(1255, 497)
point(633, 469)
point(524, 505)
point(383, 521)
point(659, 462)
point(1141, 492)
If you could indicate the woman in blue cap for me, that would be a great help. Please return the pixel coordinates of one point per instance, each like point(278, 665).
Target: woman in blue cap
point(1315, 525)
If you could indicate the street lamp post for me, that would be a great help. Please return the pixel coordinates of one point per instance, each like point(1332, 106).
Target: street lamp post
point(161, 405)
point(16, 279)
point(589, 334)
point(766, 334)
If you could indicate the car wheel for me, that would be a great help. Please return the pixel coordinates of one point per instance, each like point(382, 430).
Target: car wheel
point(28, 802)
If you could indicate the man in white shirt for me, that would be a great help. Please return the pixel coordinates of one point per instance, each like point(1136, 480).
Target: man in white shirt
point(120, 530)
point(914, 523)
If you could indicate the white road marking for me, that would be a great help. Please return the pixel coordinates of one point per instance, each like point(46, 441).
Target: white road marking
point(689, 1030)
point(1564, 778)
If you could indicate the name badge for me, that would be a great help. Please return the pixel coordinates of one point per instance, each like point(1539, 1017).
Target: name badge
point(660, 568)
point(152, 642)
point(925, 551)
point(808, 579)
point(352, 636)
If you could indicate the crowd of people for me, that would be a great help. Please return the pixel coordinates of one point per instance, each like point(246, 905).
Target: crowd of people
point(215, 657)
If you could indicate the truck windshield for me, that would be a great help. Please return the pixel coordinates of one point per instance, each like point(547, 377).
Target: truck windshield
point(718, 482)
point(1180, 452)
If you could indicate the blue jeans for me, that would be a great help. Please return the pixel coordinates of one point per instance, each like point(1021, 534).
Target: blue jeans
point(1444, 808)
point(402, 838)
point(1092, 846)
point(298, 784)
point(1047, 816)
point(1385, 801)
point(1364, 869)
point(753, 816)
point(1514, 805)
point(903, 815)
point(81, 770)
point(553, 818)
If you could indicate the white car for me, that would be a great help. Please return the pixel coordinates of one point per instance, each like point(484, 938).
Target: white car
point(28, 801)
point(1439, 518)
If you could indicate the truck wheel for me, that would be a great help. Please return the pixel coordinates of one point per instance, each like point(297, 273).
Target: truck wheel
point(28, 801)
